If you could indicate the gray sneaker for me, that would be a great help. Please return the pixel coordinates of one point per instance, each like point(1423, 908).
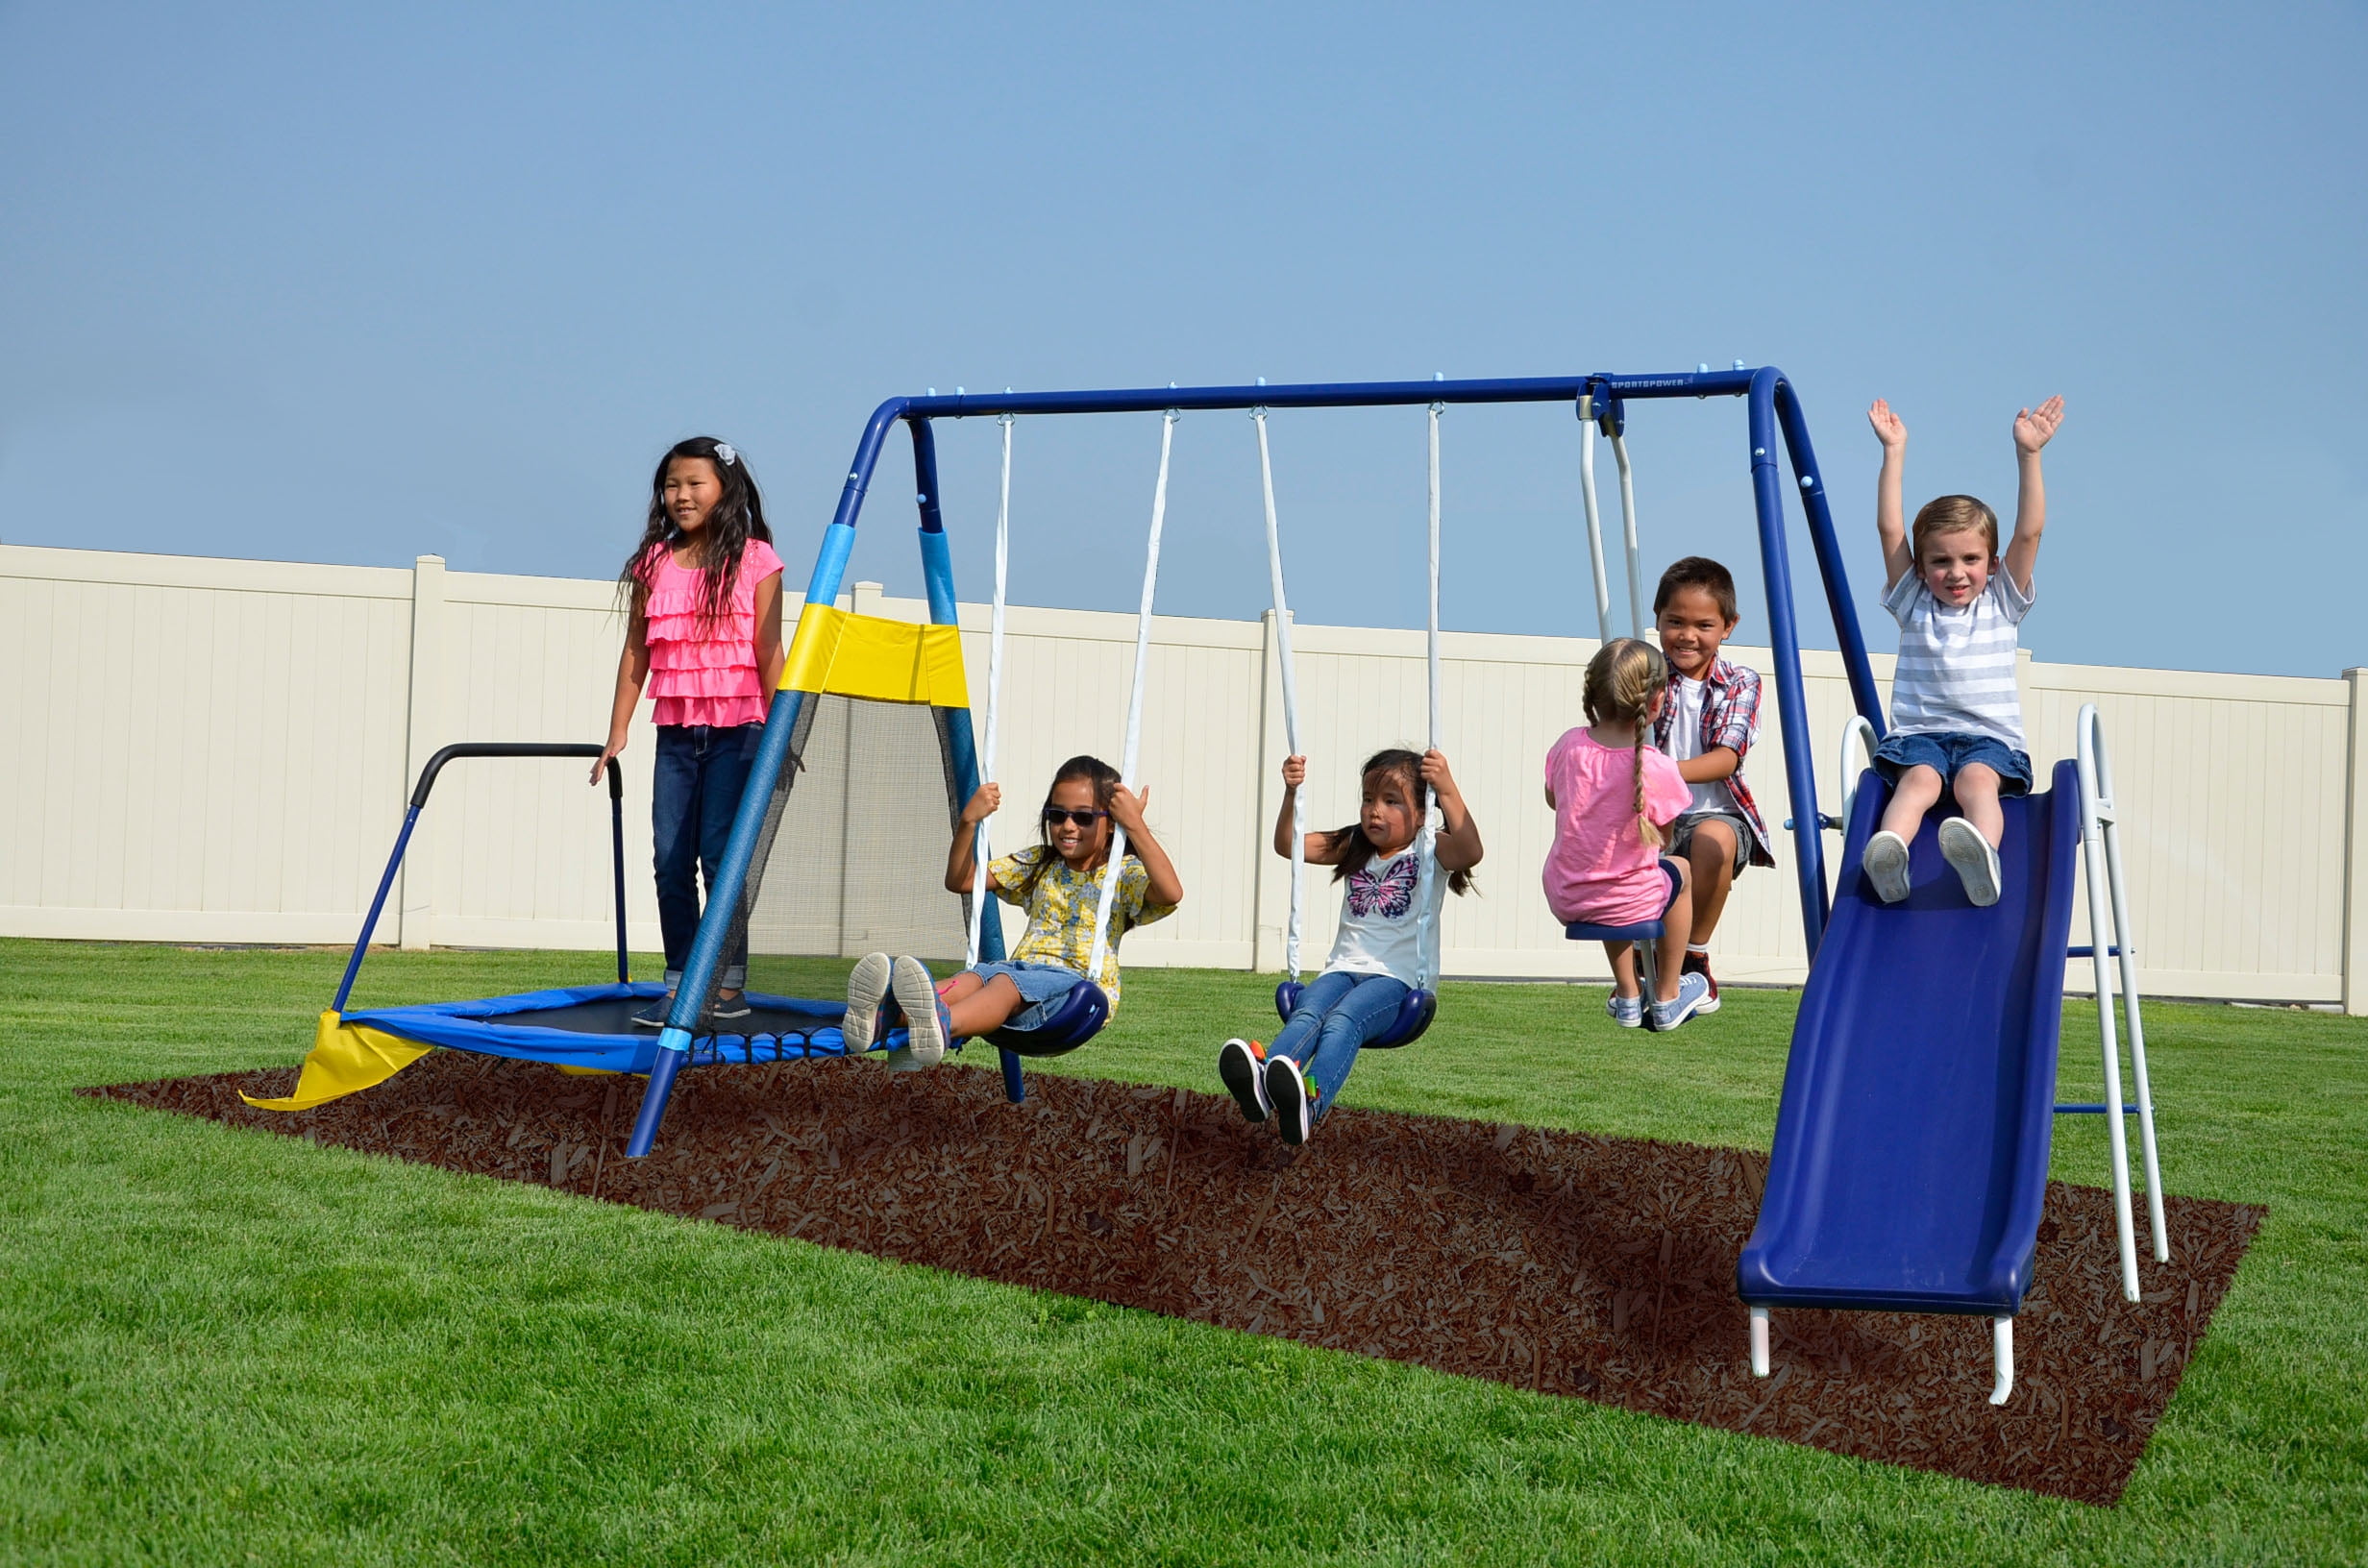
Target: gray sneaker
point(866, 987)
point(928, 1030)
point(1628, 1012)
point(1974, 861)
point(1884, 861)
point(1693, 990)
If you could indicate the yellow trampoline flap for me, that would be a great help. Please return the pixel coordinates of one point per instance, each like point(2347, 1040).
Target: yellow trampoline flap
point(345, 1059)
point(838, 654)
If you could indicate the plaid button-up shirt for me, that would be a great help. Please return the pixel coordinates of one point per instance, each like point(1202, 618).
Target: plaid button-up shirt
point(1730, 718)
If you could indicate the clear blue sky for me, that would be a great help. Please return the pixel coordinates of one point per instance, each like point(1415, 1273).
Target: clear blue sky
point(358, 283)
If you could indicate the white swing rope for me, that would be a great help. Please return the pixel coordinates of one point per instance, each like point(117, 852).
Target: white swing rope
point(995, 691)
point(1134, 700)
point(1291, 697)
point(1429, 836)
point(1594, 533)
point(1427, 844)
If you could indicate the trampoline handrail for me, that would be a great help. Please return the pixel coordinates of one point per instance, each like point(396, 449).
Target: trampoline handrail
point(513, 748)
point(419, 800)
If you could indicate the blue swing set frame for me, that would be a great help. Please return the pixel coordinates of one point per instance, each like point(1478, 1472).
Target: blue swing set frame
point(1774, 417)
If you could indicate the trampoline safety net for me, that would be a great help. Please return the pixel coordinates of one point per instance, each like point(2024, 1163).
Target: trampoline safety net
point(852, 859)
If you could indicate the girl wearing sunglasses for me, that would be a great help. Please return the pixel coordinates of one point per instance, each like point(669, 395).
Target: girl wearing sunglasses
point(1058, 881)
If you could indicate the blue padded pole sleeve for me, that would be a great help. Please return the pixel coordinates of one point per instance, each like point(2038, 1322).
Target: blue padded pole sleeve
point(1848, 636)
point(370, 921)
point(1783, 636)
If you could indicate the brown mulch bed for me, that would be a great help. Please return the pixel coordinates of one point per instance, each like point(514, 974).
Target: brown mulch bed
point(1595, 1267)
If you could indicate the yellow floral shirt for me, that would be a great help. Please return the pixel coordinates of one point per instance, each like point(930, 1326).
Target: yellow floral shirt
point(1060, 915)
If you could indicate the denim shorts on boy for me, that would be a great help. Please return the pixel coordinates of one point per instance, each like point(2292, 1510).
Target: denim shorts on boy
point(1946, 755)
point(1041, 986)
point(1681, 834)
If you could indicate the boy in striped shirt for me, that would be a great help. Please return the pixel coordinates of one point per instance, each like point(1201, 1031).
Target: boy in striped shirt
point(1957, 719)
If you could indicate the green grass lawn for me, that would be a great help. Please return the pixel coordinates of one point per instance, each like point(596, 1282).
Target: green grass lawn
point(222, 1347)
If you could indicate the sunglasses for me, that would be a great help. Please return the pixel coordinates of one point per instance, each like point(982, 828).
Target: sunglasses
point(1075, 819)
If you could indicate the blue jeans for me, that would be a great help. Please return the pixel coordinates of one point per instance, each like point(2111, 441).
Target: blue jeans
point(1042, 988)
point(1337, 1014)
point(1946, 755)
point(694, 794)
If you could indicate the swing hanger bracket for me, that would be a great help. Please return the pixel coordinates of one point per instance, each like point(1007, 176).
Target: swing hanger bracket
point(1607, 408)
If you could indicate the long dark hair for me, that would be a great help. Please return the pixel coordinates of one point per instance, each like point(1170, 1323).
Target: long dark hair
point(739, 516)
point(1105, 781)
point(1357, 852)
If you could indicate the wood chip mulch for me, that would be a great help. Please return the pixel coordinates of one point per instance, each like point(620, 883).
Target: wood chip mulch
point(1596, 1267)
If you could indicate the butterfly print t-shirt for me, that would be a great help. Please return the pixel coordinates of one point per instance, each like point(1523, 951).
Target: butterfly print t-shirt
point(1381, 923)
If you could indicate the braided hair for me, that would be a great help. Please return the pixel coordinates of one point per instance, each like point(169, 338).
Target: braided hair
point(1622, 679)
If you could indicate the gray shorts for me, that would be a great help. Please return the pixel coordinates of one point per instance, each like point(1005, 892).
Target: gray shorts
point(1681, 834)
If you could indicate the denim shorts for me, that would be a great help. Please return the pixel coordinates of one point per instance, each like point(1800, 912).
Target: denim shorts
point(1042, 987)
point(1681, 834)
point(1947, 754)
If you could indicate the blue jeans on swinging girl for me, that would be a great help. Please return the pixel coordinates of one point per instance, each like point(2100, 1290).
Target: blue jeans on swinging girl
point(1337, 1014)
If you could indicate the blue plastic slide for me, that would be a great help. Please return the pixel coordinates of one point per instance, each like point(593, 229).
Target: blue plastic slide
point(1911, 1144)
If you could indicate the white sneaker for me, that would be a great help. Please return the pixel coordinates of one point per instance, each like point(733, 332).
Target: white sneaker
point(1884, 861)
point(928, 1031)
point(866, 987)
point(1963, 847)
point(1628, 1012)
point(1693, 990)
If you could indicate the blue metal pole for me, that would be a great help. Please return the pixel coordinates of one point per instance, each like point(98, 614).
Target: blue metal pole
point(1783, 637)
point(673, 1042)
point(1821, 534)
point(370, 921)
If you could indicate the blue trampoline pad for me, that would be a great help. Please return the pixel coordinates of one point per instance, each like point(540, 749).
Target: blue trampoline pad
point(592, 1026)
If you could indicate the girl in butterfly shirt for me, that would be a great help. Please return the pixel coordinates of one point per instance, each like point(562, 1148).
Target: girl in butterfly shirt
point(1377, 957)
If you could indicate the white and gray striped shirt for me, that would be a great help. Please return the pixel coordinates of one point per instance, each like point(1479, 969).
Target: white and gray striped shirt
point(1956, 670)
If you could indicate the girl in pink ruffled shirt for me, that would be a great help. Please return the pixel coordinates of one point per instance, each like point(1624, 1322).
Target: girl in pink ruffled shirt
point(706, 635)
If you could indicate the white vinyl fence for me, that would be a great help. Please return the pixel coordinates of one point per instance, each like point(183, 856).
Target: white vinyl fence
point(218, 752)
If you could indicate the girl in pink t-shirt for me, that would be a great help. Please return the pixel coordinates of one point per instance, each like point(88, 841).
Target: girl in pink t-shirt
point(1614, 798)
point(706, 635)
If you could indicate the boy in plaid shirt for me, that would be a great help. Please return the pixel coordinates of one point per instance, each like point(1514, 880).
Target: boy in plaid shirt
point(1707, 724)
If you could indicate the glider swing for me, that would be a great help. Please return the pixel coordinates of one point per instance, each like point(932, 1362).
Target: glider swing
point(1422, 1003)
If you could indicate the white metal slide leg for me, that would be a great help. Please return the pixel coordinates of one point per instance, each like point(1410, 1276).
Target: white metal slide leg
point(1759, 1341)
point(2001, 1351)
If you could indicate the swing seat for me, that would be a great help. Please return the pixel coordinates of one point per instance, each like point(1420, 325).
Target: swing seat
point(1414, 1016)
point(1078, 1018)
point(1643, 931)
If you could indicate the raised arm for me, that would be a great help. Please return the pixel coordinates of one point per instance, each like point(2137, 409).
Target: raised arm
point(1163, 886)
point(1319, 851)
point(1890, 516)
point(962, 859)
point(2034, 428)
point(1458, 846)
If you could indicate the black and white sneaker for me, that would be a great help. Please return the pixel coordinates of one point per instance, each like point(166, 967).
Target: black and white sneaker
point(867, 986)
point(654, 1016)
point(1241, 1063)
point(728, 1008)
point(1286, 1095)
point(1970, 855)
